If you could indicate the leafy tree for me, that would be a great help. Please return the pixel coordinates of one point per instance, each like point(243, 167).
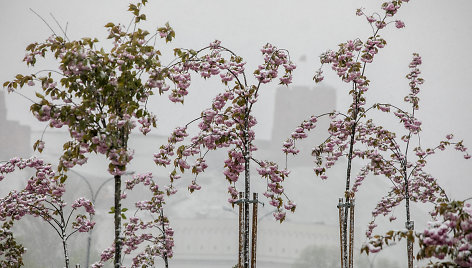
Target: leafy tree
point(100, 95)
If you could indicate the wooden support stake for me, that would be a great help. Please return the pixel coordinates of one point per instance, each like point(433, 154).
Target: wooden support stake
point(241, 230)
point(341, 221)
point(254, 231)
point(351, 233)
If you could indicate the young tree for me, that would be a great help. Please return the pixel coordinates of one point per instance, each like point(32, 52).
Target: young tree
point(390, 157)
point(229, 124)
point(100, 95)
point(42, 197)
point(349, 62)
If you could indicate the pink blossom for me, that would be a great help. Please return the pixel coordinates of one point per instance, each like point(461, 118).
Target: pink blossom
point(399, 24)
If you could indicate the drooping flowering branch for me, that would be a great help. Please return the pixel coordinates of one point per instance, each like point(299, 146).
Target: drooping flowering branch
point(43, 198)
point(155, 235)
point(447, 238)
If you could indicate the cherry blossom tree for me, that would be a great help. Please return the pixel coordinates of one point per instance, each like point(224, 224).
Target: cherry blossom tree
point(100, 95)
point(390, 157)
point(43, 198)
point(350, 63)
point(385, 154)
point(228, 124)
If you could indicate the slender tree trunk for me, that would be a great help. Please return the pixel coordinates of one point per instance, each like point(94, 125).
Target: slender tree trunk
point(348, 185)
point(247, 187)
point(63, 236)
point(64, 246)
point(348, 197)
point(117, 261)
point(408, 224)
point(246, 209)
point(89, 243)
point(166, 261)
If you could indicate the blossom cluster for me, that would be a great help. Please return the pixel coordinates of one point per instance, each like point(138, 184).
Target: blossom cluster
point(379, 22)
point(449, 236)
point(42, 197)
point(156, 235)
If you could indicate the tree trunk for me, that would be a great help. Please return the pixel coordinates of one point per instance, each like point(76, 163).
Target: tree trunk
point(348, 197)
point(348, 184)
point(246, 211)
point(64, 246)
point(408, 224)
point(166, 261)
point(247, 187)
point(89, 243)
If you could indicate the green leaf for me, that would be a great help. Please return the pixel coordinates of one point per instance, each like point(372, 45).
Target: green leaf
point(123, 216)
point(112, 210)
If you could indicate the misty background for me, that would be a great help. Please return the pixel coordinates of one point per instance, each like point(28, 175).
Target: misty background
point(440, 31)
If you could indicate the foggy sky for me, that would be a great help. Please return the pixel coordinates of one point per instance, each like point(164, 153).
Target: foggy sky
point(439, 30)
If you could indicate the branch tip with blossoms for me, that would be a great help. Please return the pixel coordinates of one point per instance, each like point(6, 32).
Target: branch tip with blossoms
point(156, 236)
point(447, 237)
point(42, 197)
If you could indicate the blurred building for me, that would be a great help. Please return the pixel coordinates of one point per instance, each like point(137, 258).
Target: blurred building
point(14, 137)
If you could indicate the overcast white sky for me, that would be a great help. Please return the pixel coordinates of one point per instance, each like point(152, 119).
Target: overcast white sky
point(441, 31)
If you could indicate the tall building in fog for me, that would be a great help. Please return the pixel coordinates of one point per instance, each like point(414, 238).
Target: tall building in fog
point(14, 137)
